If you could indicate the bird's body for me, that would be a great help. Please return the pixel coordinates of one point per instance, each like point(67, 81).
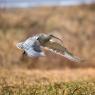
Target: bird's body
point(33, 46)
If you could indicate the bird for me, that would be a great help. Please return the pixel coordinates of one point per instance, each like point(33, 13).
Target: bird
point(33, 46)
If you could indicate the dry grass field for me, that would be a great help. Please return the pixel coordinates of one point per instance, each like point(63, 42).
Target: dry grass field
point(53, 74)
point(47, 82)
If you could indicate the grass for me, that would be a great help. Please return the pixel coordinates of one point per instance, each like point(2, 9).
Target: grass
point(33, 82)
point(75, 25)
point(62, 88)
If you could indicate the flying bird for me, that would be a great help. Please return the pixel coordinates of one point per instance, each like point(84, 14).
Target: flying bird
point(33, 46)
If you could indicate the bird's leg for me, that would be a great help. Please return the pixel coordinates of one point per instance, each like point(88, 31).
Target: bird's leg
point(24, 53)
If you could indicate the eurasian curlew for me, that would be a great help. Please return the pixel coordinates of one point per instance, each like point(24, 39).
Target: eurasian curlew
point(32, 47)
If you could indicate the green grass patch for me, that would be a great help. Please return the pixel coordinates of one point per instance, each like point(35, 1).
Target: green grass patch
point(62, 88)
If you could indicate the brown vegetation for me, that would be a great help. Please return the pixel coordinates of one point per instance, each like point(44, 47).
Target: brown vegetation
point(75, 24)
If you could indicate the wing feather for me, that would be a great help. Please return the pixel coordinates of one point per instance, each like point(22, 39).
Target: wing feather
point(61, 50)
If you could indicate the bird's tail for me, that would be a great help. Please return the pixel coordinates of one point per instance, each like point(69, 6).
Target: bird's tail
point(71, 57)
point(19, 45)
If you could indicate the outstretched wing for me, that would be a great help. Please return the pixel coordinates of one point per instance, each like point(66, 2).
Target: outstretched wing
point(60, 49)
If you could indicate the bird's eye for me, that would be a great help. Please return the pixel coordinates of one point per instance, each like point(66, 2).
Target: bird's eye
point(38, 38)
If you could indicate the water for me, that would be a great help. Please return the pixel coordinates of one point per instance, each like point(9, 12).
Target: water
point(35, 3)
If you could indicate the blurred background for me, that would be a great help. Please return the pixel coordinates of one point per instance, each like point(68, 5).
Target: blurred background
point(74, 20)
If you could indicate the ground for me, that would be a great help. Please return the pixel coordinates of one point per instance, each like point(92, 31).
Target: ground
point(47, 82)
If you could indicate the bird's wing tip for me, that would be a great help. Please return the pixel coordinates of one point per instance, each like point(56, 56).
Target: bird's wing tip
point(19, 45)
point(72, 58)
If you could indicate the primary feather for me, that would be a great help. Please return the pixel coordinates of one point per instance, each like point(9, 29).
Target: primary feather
point(60, 49)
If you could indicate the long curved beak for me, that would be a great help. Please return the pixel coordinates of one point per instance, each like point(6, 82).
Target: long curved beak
point(56, 38)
